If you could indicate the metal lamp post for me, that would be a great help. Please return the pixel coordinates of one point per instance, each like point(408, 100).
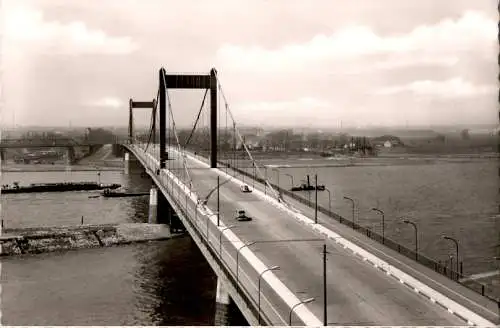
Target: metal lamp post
point(254, 175)
point(218, 201)
point(415, 228)
point(383, 222)
point(456, 246)
point(265, 180)
point(277, 176)
point(329, 200)
point(260, 275)
point(316, 199)
point(237, 258)
point(291, 178)
point(309, 300)
point(353, 206)
point(220, 238)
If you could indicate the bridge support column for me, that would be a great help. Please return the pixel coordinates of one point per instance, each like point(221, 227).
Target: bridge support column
point(222, 302)
point(127, 163)
point(153, 205)
point(70, 155)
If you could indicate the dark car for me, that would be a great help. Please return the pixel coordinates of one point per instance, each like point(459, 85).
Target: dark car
point(245, 188)
point(242, 216)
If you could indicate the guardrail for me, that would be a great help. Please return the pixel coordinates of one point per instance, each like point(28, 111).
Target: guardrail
point(202, 215)
point(434, 296)
point(422, 259)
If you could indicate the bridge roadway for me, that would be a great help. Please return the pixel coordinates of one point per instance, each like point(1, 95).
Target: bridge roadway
point(472, 300)
point(359, 294)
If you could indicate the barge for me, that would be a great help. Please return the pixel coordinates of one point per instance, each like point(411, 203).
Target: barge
point(110, 194)
point(15, 188)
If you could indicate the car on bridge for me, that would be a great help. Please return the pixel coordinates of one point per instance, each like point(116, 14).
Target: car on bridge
point(245, 188)
point(242, 216)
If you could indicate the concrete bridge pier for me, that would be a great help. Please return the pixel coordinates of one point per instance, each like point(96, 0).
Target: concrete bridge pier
point(70, 155)
point(153, 205)
point(126, 166)
point(222, 302)
point(226, 311)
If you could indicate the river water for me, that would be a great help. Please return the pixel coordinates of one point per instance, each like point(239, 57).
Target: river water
point(158, 283)
point(169, 282)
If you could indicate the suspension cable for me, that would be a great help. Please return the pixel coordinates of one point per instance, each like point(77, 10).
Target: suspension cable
point(176, 135)
point(197, 118)
point(153, 117)
point(277, 194)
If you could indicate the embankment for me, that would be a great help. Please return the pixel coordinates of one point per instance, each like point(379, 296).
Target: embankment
point(48, 239)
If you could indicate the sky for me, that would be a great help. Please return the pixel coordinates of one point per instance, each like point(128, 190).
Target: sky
point(281, 63)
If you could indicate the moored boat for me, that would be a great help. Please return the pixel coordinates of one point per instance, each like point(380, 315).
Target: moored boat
point(15, 188)
point(308, 187)
point(109, 193)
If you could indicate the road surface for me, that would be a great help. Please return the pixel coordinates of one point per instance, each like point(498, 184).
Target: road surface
point(358, 293)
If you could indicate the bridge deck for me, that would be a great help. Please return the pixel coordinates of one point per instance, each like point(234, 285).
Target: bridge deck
point(358, 292)
point(453, 290)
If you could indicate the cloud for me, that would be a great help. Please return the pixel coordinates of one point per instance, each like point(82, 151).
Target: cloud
point(452, 88)
point(472, 32)
point(308, 103)
point(109, 102)
point(26, 28)
point(426, 60)
point(282, 112)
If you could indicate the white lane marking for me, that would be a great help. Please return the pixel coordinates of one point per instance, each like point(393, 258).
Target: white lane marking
point(329, 234)
point(415, 281)
point(290, 299)
point(242, 272)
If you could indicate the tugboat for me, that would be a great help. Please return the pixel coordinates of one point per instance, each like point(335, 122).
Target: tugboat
point(308, 186)
point(109, 194)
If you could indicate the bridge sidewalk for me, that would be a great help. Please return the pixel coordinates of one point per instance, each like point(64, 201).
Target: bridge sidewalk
point(363, 294)
point(453, 290)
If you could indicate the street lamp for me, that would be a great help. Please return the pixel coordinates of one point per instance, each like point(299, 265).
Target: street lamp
point(316, 199)
point(260, 275)
point(353, 206)
point(278, 176)
point(416, 235)
point(451, 266)
point(220, 238)
point(309, 300)
point(254, 175)
point(383, 222)
point(329, 200)
point(325, 299)
point(456, 246)
point(265, 180)
point(237, 258)
point(291, 178)
point(218, 200)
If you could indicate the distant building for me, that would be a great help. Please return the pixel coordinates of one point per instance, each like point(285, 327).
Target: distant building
point(387, 141)
point(251, 141)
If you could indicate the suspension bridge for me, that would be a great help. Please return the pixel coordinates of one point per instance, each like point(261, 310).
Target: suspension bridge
point(282, 267)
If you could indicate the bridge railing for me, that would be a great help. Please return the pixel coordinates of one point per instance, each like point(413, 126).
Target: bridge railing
point(203, 223)
point(437, 266)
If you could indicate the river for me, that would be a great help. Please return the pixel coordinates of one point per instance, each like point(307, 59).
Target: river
point(159, 283)
point(169, 283)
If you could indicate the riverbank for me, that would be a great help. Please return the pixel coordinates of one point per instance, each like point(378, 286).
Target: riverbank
point(10, 167)
point(363, 161)
point(16, 241)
